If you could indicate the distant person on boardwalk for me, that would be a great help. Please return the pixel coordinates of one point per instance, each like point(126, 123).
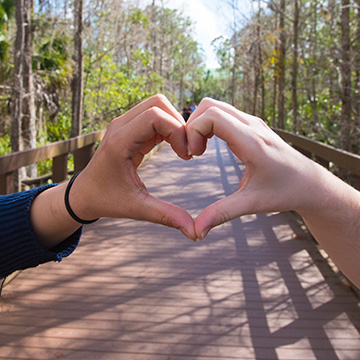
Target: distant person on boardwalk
point(186, 111)
point(44, 224)
point(193, 106)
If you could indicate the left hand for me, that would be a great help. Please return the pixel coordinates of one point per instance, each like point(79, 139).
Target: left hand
point(110, 185)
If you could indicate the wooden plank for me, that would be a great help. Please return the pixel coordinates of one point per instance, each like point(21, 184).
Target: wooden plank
point(82, 156)
point(255, 288)
point(7, 183)
point(59, 172)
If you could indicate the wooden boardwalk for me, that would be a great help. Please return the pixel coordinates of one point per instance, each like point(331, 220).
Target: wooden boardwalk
point(256, 288)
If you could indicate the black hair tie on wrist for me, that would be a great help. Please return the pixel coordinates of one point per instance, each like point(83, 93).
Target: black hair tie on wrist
point(68, 208)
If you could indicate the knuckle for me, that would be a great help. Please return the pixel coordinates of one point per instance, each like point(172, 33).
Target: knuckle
point(159, 98)
point(214, 110)
point(220, 214)
point(154, 111)
point(207, 101)
point(166, 220)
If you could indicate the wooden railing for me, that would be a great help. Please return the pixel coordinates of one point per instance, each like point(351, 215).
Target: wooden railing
point(82, 148)
point(324, 154)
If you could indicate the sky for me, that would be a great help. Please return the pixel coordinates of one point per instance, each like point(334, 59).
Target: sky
point(211, 18)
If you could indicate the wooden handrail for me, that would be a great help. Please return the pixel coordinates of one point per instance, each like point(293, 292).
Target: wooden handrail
point(82, 147)
point(343, 159)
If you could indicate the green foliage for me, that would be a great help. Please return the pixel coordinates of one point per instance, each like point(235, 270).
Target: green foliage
point(4, 49)
point(7, 8)
point(44, 167)
point(5, 144)
point(61, 128)
point(222, 47)
point(51, 54)
point(212, 84)
point(110, 92)
point(122, 65)
point(138, 17)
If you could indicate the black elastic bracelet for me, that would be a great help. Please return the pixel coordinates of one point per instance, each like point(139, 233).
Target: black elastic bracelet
point(68, 208)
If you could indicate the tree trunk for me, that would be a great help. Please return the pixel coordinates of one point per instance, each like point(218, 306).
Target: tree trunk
point(346, 76)
point(77, 81)
point(18, 89)
point(295, 67)
point(234, 8)
point(23, 134)
point(357, 70)
point(153, 35)
point(256, 86)
point(313, 92)
point(257, 63)
point(233, 76)
point(333, 73)
point(28, 121)
point(281, 64)
point(274, 101)
point(162, 43)
point(261, 71)
point(181, 91)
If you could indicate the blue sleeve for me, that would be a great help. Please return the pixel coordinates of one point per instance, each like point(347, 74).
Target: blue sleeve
point(19, 247)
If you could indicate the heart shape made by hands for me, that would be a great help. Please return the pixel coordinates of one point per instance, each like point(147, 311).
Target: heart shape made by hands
point(271, 164)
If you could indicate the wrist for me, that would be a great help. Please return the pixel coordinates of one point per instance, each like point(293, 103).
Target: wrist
point(69, 207)
point(325, 194)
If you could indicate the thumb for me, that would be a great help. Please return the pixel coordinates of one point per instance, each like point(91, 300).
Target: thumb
point(162, 212)
point(231, 207)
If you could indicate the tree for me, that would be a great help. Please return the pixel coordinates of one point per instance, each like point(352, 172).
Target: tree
point(346, 76)
point(77, 81)
point(295, 66)
point(23, 113)
point(281, 64)
point(357, 71)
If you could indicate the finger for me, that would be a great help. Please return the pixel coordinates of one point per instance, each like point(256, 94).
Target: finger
point(216, 121)
point(144, 131)
point(224, 210)
point(245, 118)
point(162, 212)
point(159, 101)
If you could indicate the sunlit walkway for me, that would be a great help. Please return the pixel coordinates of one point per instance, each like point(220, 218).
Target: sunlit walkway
point(256, 288)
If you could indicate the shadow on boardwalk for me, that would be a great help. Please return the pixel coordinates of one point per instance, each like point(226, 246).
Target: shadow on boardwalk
point(256, 288)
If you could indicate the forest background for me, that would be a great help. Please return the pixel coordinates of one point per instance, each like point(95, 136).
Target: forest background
point(70, 67)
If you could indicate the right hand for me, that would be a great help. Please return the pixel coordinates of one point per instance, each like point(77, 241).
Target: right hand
point(275, 175)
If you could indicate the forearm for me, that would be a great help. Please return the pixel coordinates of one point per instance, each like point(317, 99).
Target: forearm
point(334, 221)
point(19, 245)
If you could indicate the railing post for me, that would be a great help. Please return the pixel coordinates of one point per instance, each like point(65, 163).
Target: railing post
point(59, 172)
point(357, 182)
point(7, 183)
point(322, 162)
point(82, 156)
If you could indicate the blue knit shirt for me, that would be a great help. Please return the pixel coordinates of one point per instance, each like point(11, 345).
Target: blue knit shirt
point(19, 246)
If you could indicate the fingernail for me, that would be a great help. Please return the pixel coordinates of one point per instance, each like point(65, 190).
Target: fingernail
point(204, 233)
point(188, 235)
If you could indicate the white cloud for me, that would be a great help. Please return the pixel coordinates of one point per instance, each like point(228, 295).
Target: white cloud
point(211, 19)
